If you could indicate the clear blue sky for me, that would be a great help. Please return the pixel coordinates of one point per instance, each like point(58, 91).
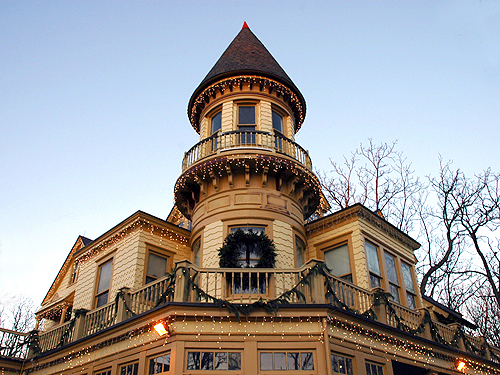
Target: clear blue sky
point(93, 98)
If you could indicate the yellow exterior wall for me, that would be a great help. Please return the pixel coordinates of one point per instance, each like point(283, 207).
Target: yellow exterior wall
point(227, 116)
point(266, 117)
point(212, 241)
point(283, 240)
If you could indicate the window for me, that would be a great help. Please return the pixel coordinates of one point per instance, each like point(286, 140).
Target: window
point(373, 369)
point(213, 360)
point(216, 125)
point(105, 372)
point(270, 361)
point(373, 265)
point(130, 369)
point(409, 286)
point(157, 267)
point(248, 255)
point(278, 130)
point(392, 276)
point(341, 364)
point(74, 276)
point(196, 252)
point(246, 124)
point(103, 283)
point(300, 252)
point(159, 364)
point(337, 260)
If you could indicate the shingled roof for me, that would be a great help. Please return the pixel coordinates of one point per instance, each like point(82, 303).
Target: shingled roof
point(246, 55)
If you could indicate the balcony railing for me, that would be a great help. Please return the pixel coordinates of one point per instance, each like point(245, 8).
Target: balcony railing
point(221, 142)
point(306, 285)
point(13, 344)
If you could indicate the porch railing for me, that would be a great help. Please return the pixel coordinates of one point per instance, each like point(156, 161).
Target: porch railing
point(221, 142)
point(13, 344)
point(244, 286)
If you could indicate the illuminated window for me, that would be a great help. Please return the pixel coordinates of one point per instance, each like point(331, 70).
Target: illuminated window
point(208, 360)
point(157, 267)
point(373, 369)
point(392, 276)
point(373, 265)
point(103, 283)
point(337, 260)
point(341, 364)
point(130, 369)
point(159, 364)
point(293, 360)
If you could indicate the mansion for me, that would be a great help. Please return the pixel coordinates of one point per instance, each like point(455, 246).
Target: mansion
point(247, 274)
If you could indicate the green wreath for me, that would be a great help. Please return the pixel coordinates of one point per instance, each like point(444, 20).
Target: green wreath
point(239, 241)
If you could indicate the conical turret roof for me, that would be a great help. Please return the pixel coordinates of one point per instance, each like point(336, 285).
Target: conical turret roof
point(246, 55)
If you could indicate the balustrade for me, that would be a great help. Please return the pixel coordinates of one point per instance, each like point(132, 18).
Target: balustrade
point(221, 142)
point(235, 285)
point(12, 343)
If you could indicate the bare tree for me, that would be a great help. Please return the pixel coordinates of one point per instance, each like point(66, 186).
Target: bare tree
point(378, 177)
point(18, 314)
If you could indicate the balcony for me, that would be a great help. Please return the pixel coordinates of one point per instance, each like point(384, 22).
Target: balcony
point(258, 140)
point(240, 288)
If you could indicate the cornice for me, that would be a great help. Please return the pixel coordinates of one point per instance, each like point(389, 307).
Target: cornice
point(360, 211)
point(231, 83)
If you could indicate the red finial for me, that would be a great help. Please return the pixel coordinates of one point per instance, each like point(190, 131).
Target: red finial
point(245, 26)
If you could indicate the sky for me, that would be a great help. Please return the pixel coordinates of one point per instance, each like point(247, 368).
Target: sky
point(94, 94)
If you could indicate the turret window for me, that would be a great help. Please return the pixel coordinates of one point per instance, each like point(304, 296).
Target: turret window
point(278, 130)
point(410, 288)
point(392, 275)
point(246, 115)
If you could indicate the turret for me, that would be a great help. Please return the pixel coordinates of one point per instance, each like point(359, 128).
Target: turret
point(247, 171)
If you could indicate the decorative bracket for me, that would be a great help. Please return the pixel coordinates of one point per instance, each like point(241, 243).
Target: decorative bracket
point(264, 175)
point(214, 180)
point(229, 176)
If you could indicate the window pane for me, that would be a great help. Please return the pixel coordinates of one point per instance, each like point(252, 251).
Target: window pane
point(234, 361)
point(337, 260)
point(102, 299)
point(410, 298)
point(408, 279)
point(277, 122)
point(166, 363)
point(300, 249)
point(335, 363)
point(390, 263)
point(372, 256)
point(152, 366)
point(341, 365)
point(207, 360)
point(374, 281)
point(348, 365)
point(368, 369)
point(104, 277)
point(395, 292)
point(280, 361)
point(216, 122)
point(266, 361)
point(246, 114)
point(220, 362)
point(307, 361)
point(293, 361)
point(159, 365)
point(157, 266)
point(197, 252)
point(193, 361)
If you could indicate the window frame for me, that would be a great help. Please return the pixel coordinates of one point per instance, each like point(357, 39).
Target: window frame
point(248, 251)
point(286, 352)
point(297, 237)
point(385, 283)
point(102, 262)
point(154, 357)
point(130, 363)
point(397, 297)
point(193, 255)
point(377, 364)
point(345, 356)
point(324, 246)
point(150, 249)
point(214, 351)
